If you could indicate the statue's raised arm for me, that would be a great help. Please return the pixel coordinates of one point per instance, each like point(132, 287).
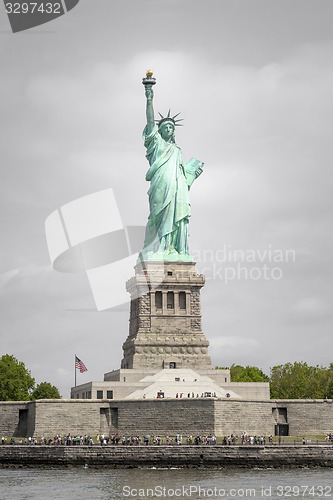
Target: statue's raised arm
point(150, 110)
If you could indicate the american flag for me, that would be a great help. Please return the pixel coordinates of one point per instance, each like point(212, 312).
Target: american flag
point(79, 365)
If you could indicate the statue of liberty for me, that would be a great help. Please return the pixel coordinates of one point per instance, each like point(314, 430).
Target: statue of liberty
point(170, 179)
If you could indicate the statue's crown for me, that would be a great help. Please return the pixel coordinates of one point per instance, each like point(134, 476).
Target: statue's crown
point(170, 119)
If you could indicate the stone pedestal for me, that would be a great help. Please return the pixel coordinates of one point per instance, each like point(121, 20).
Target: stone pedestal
point(165, 318)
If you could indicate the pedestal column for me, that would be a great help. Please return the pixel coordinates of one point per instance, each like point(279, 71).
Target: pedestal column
point(165, 318)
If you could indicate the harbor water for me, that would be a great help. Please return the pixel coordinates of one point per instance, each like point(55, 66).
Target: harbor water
point(85, 483)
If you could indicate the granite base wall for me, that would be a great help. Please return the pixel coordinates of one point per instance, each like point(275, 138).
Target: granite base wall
point(9, 417)
point(307, 416)
point(77, 417)
point(113, 456)
point(161, 417)
point(166, 416)
point(235, 417)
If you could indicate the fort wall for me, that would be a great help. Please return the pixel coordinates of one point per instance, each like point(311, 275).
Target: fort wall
point(164, 416)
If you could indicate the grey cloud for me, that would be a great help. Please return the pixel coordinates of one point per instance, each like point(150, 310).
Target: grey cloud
point(258, 112)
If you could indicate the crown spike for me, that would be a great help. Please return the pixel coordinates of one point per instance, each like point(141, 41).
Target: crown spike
point(169, 118)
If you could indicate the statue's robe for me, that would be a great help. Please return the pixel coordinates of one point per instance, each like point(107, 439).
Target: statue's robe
point(169, 201)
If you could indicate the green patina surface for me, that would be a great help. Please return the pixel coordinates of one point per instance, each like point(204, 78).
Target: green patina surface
point(170, 178)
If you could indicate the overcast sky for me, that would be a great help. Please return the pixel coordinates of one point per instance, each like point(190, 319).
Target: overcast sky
point(254, 83)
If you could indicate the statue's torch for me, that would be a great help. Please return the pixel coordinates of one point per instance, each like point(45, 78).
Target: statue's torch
point(149, 81)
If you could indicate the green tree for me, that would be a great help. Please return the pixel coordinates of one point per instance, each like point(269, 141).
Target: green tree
point(45, 390)
point(289, 381)
point(240, 373)
point(300, 381)
point(16, 382)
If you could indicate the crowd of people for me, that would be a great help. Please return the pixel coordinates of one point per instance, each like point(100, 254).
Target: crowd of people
point(103, 440)
point(133, 440)
point(192, 395)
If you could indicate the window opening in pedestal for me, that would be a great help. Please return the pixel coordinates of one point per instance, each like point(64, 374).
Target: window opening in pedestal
point(182, 300)
point(170, 300)
point(158, 300)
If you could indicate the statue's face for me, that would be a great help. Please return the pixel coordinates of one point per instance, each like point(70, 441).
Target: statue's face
point(167, 131)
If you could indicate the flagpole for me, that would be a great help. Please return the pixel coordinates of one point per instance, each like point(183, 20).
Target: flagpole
point(75, 369)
